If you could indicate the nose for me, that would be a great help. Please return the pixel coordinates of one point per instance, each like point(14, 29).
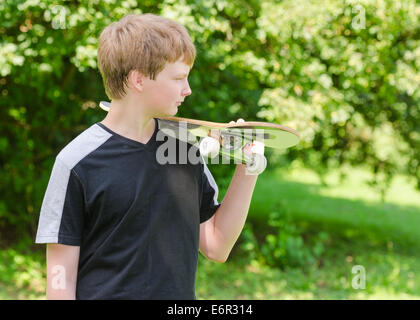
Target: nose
point(187, 90)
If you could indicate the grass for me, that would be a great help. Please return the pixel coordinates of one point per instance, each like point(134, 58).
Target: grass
point(383, 237)
point(348, 206)
point(388, 276)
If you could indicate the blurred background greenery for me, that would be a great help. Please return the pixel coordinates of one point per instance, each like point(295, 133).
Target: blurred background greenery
point(345, 74)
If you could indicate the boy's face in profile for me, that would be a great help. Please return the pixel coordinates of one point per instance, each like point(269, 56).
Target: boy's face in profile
point(170, 87)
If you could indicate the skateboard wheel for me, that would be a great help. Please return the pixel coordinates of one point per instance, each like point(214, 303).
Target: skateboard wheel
point(209, 147)
point(256, 164)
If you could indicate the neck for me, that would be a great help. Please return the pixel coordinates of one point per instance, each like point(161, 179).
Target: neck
point(130, 120)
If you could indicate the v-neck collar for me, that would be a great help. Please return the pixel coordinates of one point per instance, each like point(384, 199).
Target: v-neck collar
point(149, 145)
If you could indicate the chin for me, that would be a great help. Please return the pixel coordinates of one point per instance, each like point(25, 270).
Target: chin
point(173, 112)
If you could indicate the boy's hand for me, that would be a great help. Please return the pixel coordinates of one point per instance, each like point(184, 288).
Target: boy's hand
point(254, 147)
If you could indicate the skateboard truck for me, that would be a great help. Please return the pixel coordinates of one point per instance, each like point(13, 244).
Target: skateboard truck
point(253, 151)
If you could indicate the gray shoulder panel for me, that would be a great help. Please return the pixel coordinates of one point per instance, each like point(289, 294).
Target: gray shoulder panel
point(55, 195)
point(82, 145)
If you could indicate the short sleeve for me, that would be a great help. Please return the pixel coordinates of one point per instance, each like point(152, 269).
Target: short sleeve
point(210, 192)
point(63, 208)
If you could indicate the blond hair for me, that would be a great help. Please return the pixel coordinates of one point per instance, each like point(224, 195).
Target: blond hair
point(144, 43)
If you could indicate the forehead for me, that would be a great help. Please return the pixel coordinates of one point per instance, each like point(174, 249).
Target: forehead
point(177, 67)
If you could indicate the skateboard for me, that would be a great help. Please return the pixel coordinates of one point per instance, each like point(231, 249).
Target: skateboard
point(243, 141)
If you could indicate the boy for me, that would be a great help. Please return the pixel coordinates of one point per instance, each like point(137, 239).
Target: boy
point(119, 225)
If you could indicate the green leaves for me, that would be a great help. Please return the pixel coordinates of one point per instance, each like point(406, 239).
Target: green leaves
point(337, 62)
point(344, 74)
point(284, 244)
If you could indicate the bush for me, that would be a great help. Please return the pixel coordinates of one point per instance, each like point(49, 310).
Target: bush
point(352, 93)
point(285, 245)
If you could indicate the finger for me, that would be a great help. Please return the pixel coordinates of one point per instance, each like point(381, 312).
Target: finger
point(247, 149)
point(258, 147)
point(215, 133)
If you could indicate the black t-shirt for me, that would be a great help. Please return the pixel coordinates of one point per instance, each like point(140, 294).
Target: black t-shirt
point(135, 219)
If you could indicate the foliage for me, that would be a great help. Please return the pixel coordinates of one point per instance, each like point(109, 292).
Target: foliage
point(286, 245)
point(24, 273)
point(351, 89)
point(346, 75)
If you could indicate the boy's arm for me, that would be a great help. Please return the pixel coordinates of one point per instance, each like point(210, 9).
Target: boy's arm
point(219, 234)
point(62, 264)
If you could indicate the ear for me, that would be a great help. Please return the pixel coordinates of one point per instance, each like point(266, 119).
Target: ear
point(136, 80)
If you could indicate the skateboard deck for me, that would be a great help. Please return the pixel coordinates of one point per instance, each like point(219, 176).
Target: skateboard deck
point(232, 136)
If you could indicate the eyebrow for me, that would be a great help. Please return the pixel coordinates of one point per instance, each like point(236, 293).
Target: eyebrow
point(182, 74)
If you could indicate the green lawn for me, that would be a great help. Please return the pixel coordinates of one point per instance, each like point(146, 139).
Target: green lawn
point(349, 207)
point(388, 276)
point(384, 238)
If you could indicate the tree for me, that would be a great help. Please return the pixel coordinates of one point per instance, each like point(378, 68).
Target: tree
point(344, 74)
